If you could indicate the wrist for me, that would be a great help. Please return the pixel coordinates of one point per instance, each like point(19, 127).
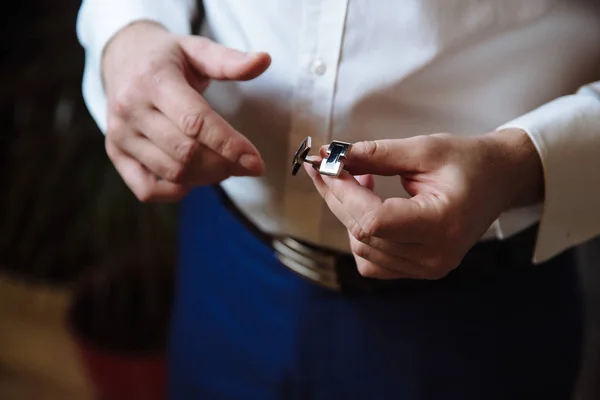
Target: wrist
point(520, 168)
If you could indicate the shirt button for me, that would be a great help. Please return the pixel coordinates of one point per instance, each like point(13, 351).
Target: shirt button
point(318, 67)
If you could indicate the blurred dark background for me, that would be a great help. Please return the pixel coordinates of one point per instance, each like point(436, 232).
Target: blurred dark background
point(81, 260)
point(83, 265)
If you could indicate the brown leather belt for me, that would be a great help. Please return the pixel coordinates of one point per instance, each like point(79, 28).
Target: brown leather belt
point(337, 271)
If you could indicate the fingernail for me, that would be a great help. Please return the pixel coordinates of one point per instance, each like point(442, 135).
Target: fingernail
point(251, 162)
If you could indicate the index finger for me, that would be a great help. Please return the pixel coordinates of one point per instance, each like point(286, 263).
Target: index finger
point(190, 112)
point(360, 202)
point(401, 219)
point(352, 204)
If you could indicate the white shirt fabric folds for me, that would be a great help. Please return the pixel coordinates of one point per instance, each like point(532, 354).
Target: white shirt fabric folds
point(356, 69)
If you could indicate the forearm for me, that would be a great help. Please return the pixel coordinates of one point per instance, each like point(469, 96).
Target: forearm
point(99, 20)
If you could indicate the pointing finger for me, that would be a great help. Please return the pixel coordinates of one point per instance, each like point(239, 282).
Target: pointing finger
point(188, 110)
point(165, 135)
point(403, 220)
point(359, 202)
point(334, 205)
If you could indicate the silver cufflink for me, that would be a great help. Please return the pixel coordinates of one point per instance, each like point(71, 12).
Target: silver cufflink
point(331, 166)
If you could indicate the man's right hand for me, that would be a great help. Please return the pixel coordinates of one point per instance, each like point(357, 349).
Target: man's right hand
point(162, 136)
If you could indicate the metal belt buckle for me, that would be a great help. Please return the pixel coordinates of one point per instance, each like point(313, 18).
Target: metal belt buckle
point(331, 166)
point(312, 264)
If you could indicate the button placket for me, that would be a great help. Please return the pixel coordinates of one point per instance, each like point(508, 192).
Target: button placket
point(299, 197)
point(332, 26)
point(312, 106)
point(318, 67)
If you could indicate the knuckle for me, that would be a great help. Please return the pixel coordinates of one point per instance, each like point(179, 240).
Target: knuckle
point(122, 102)
point(192, 124)
point(175, 173)
point(377, 148)
point(186, 150)
point(370, 147)
point(371, 225)
point(359, 233)
point(361, 250)
point(225, 146)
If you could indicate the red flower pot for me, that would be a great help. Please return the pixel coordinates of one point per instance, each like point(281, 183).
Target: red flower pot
point(120, 325)
point(118, 376)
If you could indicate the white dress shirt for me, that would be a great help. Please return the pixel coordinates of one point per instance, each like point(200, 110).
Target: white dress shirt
point(359, 69)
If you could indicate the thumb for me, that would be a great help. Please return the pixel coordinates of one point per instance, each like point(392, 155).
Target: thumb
point(223, 63)
point(381, 157)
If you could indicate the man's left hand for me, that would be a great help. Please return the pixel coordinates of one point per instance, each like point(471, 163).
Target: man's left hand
point(458, 187)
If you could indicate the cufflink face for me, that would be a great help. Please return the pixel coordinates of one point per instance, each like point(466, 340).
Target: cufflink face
point(331, 166)
point(334, 163)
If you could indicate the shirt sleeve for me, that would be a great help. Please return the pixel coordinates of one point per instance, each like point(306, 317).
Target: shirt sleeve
point(566, 134)
point(99, 20)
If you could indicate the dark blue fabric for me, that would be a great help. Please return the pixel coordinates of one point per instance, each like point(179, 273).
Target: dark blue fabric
point(245, 327)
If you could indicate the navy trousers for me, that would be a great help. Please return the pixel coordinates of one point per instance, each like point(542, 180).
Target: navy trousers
point(245, 327)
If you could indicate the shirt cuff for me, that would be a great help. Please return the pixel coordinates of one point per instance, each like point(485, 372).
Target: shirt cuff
point(566, 134)
point(99, 20)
